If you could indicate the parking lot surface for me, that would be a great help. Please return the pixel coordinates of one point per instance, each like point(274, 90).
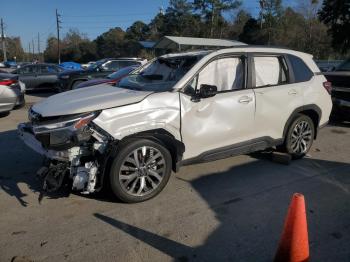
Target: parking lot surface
point(227, 210)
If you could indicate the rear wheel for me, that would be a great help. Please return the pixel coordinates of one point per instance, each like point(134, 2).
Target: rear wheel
point(140, 171)
point(300, 136)
point(76, 83)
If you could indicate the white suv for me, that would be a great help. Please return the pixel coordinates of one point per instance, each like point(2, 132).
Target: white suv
point(176, 110)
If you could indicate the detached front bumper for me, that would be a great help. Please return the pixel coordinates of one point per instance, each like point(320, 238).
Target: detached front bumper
point(25, 132)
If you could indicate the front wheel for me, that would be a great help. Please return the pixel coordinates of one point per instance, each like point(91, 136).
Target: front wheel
point(300, 136)
point(140, 170)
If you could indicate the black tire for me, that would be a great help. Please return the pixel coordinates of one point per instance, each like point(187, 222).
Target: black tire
point(298, 144)
point(76, 83)
point(125, 152)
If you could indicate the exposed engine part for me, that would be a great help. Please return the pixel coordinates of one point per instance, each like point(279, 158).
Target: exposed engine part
point(53, 176)
point(75, 153)
point(79, 163)
point(85, 178)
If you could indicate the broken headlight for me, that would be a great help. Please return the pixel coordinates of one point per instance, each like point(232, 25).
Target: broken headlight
point(68, 132)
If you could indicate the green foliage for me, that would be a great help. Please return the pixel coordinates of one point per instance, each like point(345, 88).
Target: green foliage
point(13, 49)
point(299, 28)
point(336, 15)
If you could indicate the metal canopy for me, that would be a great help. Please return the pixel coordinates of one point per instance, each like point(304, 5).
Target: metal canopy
point(178, 43)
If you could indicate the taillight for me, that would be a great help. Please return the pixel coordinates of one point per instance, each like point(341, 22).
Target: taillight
point(111, 82)
point(8, 82)
point(328, 86)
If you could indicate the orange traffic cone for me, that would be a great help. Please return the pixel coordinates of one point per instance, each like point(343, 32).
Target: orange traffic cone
point(294, 243)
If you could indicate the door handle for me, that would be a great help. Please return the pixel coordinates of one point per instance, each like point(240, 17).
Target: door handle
point(245, 99)
point(292, 92)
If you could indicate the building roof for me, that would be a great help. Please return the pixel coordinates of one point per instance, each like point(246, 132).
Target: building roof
point(147, 44)
point(176, 42)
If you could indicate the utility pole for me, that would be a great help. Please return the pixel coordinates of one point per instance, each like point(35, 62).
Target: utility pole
point(39, 47)
point(261, 14)
point(29, 59)
point(3, 41)
point(33, 48)
point(58, 21)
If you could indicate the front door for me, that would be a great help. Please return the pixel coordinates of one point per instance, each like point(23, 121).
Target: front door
point(223, 120)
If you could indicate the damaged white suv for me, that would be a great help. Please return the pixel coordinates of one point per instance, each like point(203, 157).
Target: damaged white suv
point(176, 110)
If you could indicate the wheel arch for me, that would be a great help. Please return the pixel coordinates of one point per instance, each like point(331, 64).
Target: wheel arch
point(77, 80)
point(312, 111)
point(162, 136)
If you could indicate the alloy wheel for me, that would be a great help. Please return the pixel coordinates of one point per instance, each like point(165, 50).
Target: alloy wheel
point(142, 171)
point(301, 137)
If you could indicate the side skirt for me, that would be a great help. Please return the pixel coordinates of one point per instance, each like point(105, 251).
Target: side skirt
point(234, 150)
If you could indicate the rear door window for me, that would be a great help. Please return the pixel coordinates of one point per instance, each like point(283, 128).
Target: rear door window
point(48, 69)
point(128, 63)
point(112, 66)
point(302, 72)
point(32, 69)
point(270, 71)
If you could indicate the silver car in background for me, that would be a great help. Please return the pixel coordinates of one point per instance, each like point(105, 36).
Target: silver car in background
point(11, 92)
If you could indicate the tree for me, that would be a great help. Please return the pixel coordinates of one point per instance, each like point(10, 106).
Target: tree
point(212, 11)
point(14, 49)
point(271, 12)
point(70, 50)
point(137, 31)
point(50, 53)
point(251, 33)
point(237, 25)
point(336, 15)
point(111, 43)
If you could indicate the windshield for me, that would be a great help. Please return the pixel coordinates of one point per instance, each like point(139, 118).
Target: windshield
point(344, 66)
point(161, 74)
point(95, 65)
point(122, 72)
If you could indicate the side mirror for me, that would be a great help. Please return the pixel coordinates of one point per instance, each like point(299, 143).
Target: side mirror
point(206, 91)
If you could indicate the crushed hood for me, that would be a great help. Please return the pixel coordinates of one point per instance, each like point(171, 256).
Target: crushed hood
point(88, 99)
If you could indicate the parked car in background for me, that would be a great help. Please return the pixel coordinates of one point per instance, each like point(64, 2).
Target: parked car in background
point(84, 66)
point(179, 109)
point(10, 64)
point(11, 92)
point(340, 79)
point(2, 64)
point(39, 76)
point(111, 79)
point(70, 79)
point(71, 66)
point(327, 65)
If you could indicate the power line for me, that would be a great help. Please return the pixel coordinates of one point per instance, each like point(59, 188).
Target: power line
point(109, 15)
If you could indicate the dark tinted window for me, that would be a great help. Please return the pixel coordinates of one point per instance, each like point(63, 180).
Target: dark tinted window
point(128, 63)
point(31, 69)
point(345, 66)
point(301, 71)
point(112, 66)
point(48, 69)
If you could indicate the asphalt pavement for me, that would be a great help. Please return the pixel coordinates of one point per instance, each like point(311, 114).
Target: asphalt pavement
point(227, 210)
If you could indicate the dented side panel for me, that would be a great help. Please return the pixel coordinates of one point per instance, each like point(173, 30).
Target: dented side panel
point(159, 110)
point(216, 122)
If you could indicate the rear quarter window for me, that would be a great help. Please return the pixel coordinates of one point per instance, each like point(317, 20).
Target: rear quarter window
point(302, 72)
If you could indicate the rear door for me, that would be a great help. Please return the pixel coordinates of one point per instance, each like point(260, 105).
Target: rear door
point(48, 76)
point(275, 93)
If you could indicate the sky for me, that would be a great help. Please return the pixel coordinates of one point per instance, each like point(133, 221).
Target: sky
point(27, 18)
